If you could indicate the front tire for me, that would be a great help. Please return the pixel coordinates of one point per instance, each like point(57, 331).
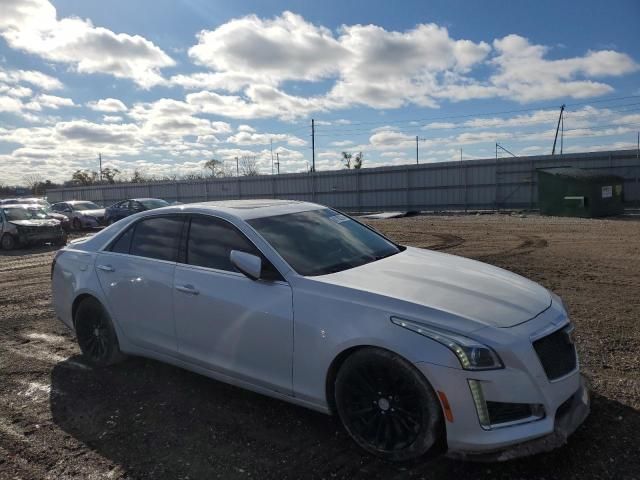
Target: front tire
point(387, 406)
point(77, 225)
point(8, 242)
point(96, 336)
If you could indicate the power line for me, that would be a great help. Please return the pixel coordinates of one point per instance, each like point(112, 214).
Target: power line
point(468, 115)
point(506, 122)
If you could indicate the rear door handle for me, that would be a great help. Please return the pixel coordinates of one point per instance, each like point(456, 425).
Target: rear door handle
point(106, 268)
point(190, 289)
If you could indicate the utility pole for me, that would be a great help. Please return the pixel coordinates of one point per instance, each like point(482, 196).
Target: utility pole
point(553, 151)
point(100, 161)
point(237, 167)
point(460, 154)
point(271, 156)
point(561, 133)
point(278, 162)
point(417, 150)
point(313, 146)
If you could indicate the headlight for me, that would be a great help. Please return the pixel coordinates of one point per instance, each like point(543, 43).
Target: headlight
point(558, 300)
point(472, 355)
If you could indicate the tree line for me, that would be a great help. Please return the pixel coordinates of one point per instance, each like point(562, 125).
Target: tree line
point(245, 166)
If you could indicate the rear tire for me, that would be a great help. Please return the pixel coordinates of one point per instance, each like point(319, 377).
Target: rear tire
point(8, 242)
point(96, 336)
point(387, 406)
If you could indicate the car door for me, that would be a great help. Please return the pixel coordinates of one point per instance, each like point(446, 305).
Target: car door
point(224, 320)
point(136, 276)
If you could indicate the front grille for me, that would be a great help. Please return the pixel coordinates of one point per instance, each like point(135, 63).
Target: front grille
point(500, 412)
point(557, 354)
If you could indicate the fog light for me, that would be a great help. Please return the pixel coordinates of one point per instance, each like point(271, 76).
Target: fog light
point(481, 405)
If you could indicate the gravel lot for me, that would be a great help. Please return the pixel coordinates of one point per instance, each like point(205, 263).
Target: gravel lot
point(142, 419)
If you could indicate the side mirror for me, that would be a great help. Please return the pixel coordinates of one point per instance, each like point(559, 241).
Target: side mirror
point(250, 265)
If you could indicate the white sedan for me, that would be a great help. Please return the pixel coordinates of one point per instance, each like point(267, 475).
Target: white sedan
point(414, 350)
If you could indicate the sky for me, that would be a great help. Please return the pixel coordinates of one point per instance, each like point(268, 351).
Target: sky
point(163, 86)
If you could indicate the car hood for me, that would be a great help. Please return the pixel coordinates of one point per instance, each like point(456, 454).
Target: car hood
point(92, 213)
point(45, 222)
point(481, 293)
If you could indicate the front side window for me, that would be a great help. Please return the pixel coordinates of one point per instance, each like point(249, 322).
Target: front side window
point(157, 237)
point(318, 242)
point(211, 241)
point(85, 206)
point(152, 203)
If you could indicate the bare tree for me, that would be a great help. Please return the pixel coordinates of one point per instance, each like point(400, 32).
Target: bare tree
point(216, 167)
point(357, 164)
point(33, 181)
point(346, 158)
point(109, 174)
point(84, 177)
point(248, 166)
point(137, 177)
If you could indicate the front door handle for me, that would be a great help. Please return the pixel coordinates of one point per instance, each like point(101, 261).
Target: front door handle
point(106, 268)
point(190, 289)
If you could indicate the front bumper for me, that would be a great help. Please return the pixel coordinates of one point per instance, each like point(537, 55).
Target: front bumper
point(571, 414)
point(37, 237)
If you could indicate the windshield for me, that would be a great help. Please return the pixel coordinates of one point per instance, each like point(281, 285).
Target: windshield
point(85, 206)
point(323, 241)
point(19, 213)
point(154, 203)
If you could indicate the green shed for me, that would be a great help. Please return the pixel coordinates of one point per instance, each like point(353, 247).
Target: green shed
point(576, 192)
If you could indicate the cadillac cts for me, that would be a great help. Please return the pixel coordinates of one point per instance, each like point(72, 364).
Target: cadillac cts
point(414, 350)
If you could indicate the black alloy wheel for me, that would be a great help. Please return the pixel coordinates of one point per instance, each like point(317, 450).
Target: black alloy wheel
point(96, 336)
point(387, 406)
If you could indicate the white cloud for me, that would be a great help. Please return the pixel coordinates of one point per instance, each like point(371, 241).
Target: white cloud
point(247, 135)
point(38, 79)
point(368, 65)
point(112, 119)
point(10, 104)
point(32, 26)
point(49, 101)
point(110, 105)
point(341, 143)
point(525, 75)
point(169, 118)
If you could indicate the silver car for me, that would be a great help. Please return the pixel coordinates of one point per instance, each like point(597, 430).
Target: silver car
point(81, 213)
point(412, 349)
point(23, 225)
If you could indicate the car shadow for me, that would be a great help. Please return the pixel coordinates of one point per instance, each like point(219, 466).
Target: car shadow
point(29, 250)
point(158, 421)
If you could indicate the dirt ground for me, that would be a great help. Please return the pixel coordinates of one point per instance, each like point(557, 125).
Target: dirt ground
point(142, 419)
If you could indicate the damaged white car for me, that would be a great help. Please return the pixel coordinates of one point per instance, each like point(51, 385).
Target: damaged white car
point(413, 349)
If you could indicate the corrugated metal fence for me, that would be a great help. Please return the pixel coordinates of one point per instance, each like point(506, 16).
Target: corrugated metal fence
point(509, 183)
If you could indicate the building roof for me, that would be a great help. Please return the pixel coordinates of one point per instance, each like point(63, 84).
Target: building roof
point(581, 174)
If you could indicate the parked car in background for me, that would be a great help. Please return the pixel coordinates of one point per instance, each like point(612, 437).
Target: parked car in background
point(81, 213)
point(40, 203)
point(123, 209)
point(22, 225)
point(411, 348)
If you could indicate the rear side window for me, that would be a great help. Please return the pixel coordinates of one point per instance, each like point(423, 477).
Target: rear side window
point(123, 244)
point(157, 237)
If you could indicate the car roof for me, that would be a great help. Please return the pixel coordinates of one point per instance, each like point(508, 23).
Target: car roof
point(245, 209)
point(20, 205)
